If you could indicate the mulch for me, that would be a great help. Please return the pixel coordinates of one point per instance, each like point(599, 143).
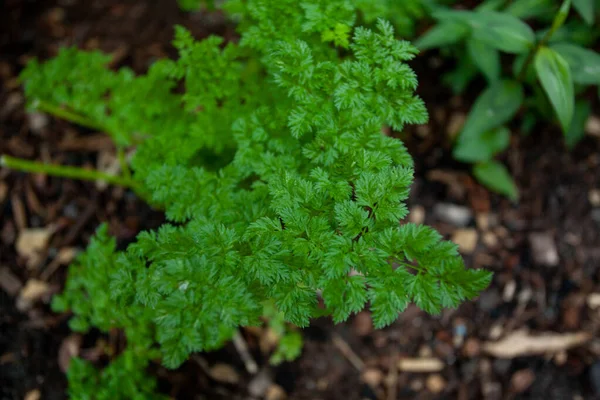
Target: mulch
point(544, 250)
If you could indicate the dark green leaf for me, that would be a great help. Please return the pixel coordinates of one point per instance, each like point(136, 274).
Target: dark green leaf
point(585, 8)
point(577, 129)
point(490, 5)
point(555, 76)
point(561, 15)
point(495, 177)
point(485, 57)
point(584, 63)
point(443, 34)
point(424, 290)
point(502, 31)
point(525, 9)
point(495, 106)
point(483, 147)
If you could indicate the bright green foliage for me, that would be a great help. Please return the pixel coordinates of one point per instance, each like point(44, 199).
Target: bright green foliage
point(276, 178)
point(123, 379)
point(547, 63)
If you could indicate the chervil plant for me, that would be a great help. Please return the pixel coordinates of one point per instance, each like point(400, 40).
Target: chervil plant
point(284, 197)
point(552, 66)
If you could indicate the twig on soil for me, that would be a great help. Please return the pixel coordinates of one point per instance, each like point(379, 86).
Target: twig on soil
point(392, 378)
point(242, 348)
point(347, 352)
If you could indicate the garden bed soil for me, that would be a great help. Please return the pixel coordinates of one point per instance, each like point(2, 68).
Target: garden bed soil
point(544, 250)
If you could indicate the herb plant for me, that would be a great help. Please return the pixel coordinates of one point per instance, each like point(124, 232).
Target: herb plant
point(279, 186)
point(550, 68)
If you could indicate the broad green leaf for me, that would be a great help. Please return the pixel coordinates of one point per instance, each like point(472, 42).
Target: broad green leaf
point(490, 5)
point(495, 106)
point(443, 34)
point(585, 8)
point(447, 15)
point(483, 147)
point(485, 57)
point(577, 129)
point(555, 76)
point(495, 177)
point(584, 63)
point(561, 15)
point(525, 9)
point(502, 31)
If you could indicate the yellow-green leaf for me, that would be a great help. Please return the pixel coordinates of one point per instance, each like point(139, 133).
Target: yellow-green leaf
point(555, 76)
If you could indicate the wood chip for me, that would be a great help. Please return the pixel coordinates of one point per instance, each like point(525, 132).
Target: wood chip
point(435, 383)
point(33, 291)
point(466, 239)
point(427, 364)
point(9, 282)
point(31, 244)
point(592, 126)
point(34, 394)
point(594, 197)
point(521, 343)
point(224, 373)
point(3, 191)
point(18, 210)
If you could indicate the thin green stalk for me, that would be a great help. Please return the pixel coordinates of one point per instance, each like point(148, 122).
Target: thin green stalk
point(64, 171)
point(68, 115)
point(123, 162)
point(558, 21)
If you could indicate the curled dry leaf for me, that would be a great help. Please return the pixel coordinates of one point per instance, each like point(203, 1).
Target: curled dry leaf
point(32, 242)
point(224, 373)
point(33, 291)
point(69, 348)
point(521, 343)
point(593, 301)
point(426, 364)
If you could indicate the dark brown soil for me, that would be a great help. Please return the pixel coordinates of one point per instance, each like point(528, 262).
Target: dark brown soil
point(557, 202)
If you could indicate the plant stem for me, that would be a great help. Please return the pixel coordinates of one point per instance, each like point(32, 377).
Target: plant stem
point(68, 115)
point(65, 171)
point(123, 163)
point(557, 23)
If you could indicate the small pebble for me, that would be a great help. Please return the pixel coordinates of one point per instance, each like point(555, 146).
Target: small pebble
point(417, 215)
point(453, 214)
point(275, 392)
point(466, 239)
point(522, 380)
point(543, 249)
point(372, 377)
point(224, 373)
point(472, 348)
point(594, 197)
